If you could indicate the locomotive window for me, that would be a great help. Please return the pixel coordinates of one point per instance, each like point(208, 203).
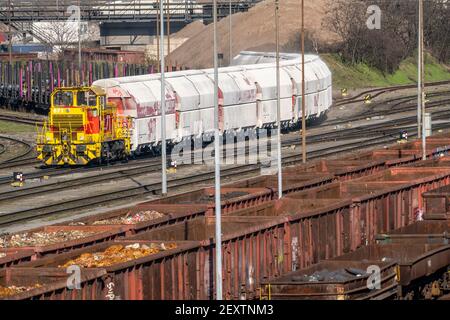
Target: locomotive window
point(86, 98)
point(63, 98)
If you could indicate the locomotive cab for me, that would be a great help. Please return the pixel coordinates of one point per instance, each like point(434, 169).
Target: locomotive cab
point(81, 128)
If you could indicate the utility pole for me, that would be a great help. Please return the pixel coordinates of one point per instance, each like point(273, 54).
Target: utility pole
point(419, 71)
point(303, 86)
point(217, 163)
point(10, 42)
point(169, 64)
point(277, 45)
point(163, 104)
point(422, 82)
point(157, 36)
point(79, 44)
point(231, 50)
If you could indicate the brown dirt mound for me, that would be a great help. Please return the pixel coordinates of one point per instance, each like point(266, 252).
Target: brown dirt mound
point(252, 30)
point(190, 30)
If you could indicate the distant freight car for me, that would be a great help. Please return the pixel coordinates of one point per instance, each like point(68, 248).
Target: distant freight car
point(247, 100)
point(97, 54)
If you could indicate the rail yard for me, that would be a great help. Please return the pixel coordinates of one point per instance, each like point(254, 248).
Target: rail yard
point(281, 172)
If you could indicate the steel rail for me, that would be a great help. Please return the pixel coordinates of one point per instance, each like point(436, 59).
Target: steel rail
point(110, 197)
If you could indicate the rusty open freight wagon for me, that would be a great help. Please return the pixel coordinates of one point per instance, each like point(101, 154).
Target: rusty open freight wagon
point(11, 257)
point(433, 144)
point(419, 265)
point(291, 182)
point(341, 169)
point(252, 250)
point(58, 239)
point(332, 280)
point(371, 272)
point(168, 274)
point(49, 284)
point(165, 214)
point(437, 203)
point(407, 153)
point(391, 158)
point(427, 231)
point(231, 198)
point(287, 237)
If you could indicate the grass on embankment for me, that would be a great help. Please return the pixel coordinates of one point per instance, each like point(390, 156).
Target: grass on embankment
point(12, 127)
point(361, 75)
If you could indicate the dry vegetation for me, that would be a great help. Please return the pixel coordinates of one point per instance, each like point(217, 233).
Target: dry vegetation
point(332, 26)
point(252, 30)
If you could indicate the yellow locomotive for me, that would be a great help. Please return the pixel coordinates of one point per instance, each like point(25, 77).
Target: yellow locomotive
point(82, 128)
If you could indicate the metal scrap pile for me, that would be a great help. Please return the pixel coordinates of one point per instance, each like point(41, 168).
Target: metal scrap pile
point(134, 218)
point(12, 290)
point(336, 275)
point(117, 254)
point(42, 238)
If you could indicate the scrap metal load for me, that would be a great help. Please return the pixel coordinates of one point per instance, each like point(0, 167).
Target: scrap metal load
point(119, 116)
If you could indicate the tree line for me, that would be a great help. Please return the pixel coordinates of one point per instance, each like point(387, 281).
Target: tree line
point(396, 39)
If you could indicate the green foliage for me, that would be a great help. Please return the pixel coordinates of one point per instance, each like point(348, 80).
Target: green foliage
point(361, 75)
point(11, 127)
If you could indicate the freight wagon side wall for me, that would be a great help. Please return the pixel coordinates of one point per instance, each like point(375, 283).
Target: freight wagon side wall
point(232, 198)
point(14, 257)
point(199, 229)
point(173, 277)
point(308, 238)
point(390, 205)
point(262, 251)
point(53, 284)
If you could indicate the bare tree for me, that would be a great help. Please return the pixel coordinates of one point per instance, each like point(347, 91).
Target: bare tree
point(59, 34)
point(385, 48)
point(63, 35)
point(437, 28)
point(312, 44)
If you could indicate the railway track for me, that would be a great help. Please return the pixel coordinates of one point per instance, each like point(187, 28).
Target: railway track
point(58, 208)
point(390, 109)
point(373, 128)
point(154, 164)
point(28, 149)
point(381, 136)
point(393, 110)
point(18, 163)
point(21, 161)
point(375, 92)
point(21, 119)
point(387, 129)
